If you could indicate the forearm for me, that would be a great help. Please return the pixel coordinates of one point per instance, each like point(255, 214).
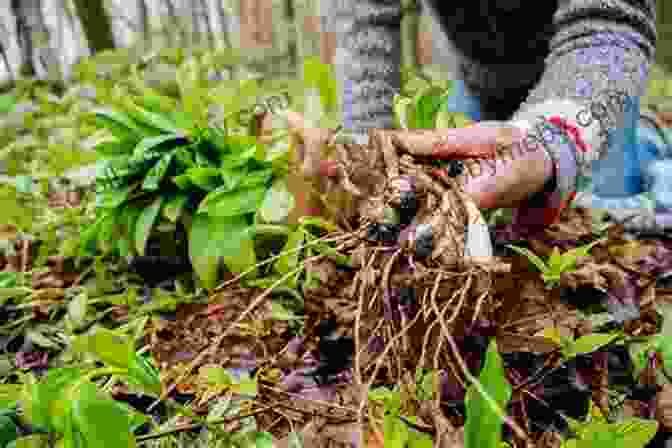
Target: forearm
point(598, 62)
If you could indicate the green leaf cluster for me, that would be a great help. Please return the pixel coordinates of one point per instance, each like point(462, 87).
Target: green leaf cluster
point(631, 433)
point(160, 167)
point(397, 433)
point(483, 424)
point(557, 263)
point(68, 404)
point(423, 104)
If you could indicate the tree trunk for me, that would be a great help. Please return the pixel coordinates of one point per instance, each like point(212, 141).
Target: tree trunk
point(24, 38)
point(38, 58)
point(664, 47)
point(96, 24)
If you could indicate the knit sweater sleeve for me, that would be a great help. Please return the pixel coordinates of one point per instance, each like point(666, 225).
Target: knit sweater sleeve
point(597, 68)
point(367, 61)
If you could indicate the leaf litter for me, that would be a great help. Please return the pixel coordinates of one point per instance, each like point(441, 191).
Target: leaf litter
point(406, 300)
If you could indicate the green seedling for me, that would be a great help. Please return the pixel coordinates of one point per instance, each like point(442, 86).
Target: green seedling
point(557, 263)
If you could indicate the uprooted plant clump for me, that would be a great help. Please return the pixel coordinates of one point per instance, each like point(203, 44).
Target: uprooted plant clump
point(402, 298)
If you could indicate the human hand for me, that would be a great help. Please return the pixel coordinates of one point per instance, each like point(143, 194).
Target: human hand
point(310, 144)
point(504, 164)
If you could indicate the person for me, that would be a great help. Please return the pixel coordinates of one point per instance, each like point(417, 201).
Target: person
point(557, 82)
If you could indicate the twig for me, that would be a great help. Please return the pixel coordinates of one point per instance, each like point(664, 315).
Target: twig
point(323, 239)
point(379, 363)
point(191, 426)
point(474, 381)
point(360, 306)
point(255, 303)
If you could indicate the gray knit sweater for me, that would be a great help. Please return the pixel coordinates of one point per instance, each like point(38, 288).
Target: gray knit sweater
point(521, 58)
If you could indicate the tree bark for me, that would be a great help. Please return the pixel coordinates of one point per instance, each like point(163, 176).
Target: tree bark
point(24, 38)
point(664, 46)
point(96, 24)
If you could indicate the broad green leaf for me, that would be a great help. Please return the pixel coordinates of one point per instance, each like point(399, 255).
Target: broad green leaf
point(38, 398)
point(590, 343)
point(116, 147)
point(277, 204)
point(145, 223)
point(390, 398)
point(99, 420)
point(183, 182)
point(111, 347)
point(205, 178)
point(7, 103)
point(240, 158)
point(263, 440)
point(538, 262)
point(279, 312)
point(570, 257)
point(10, 394)
point(232, 178)
point(143, 374)
point(247, 385)
point(61, 416)
point(290, 255)
point(256, 178)
point(8, 429)
point(156, 174)
point(426, 105)
point(212, 239)
point(24, 184)
point(320, 75)
point(402, 112)
point(155, 102)
point(89, 238)
point(148, 144)
point(215, 375)
point(183, 120)
point(174, 207)
point(136, 419)
point(107, 235)
point(151, 119)
point(128, 219)
point(114, 198)
point(425, 384)
point(632, 433)
point(417, 439)
point(120, 125)
point(638, 432)
point(483, 427)
point(395, 432)
point(8, 279)
point(555, 260)
point(31, 441)
point(229, 204)
point(77, 309)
